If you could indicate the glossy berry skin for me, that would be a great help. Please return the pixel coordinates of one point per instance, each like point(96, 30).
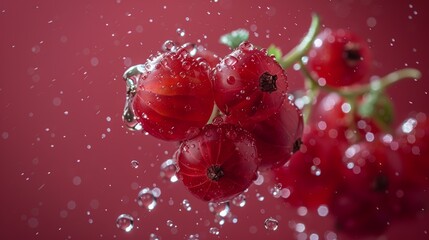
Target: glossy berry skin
point(173, 95)
point(278, 137)
point(340, 57)
point(248, 85)
point(195, 51)
point(311, 174)
point(219, 163)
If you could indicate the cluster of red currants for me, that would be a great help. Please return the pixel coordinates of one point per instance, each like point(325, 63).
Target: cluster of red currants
point(231, 116)
point(234, 117)
point(351, 160)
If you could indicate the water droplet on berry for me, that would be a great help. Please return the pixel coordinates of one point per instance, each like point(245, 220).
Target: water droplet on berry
point(271, 224)
point(125, 222)
point(168, 46)
point(214, 231)
point(190, 48)
point(186, 205)
point(186, 65)
point(246, 46)
point(239, 201)
point(129, 118)
point(168, 170)
point(146, 199)
point(259, 180)
point(230, 60)
point(134, 164)
point(230, 80)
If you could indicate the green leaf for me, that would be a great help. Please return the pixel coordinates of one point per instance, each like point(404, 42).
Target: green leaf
point(377, 106)
point(234, 38)
point(275, 51)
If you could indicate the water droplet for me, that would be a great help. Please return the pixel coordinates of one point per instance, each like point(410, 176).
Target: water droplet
point(190, 48)
point(259, 180)
point(315, 170)
point(271, 224)
point(129, 118)
point(214, 231)
point(230, 60)
point(276, 190)
point(221, 209)
point(125, 222)
point(153, 236)
point(186, 65)
point(170, 223)
point(168, 46)
point(230, 80)
point(168, 170)
point(186, 205)
point(134, 164)
point(146, 199)
point(181, 32)
point(246, 46)
point(239, 201)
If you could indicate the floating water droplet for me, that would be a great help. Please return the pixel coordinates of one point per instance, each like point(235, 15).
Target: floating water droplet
point(170, 223)
point(271, 224)
point(315, 170)
point(153, 236)
point(276, 190)
point(221, 209)
point(125, 222)
point(181, 32)
point(214, 231)
point(134, 164)
point(186, 205)
point(146, 199)
point(168, 170)
point(239, 201)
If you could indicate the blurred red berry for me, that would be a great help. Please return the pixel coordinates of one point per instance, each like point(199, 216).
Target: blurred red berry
point(339, 58)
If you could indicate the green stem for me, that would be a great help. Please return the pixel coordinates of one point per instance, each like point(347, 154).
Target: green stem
point(357, 90)
point(302, 49)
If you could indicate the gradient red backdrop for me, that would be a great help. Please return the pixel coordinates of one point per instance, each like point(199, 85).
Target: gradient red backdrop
point(65, 156)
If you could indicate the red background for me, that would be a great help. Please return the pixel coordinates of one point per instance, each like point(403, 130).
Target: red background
point(62, 95)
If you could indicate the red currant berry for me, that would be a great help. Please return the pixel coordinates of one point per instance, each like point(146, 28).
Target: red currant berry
point(172, 95)
point(311, 174)
point(218, 164)
point(413, 139)
point(337, 113)
point(371, 172)
point(339, 58)
point(278, 137)
point(196, 51)
point(249, 86)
